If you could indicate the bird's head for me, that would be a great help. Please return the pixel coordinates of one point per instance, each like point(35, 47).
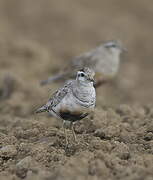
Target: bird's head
point(85, 76)
point(115, 46)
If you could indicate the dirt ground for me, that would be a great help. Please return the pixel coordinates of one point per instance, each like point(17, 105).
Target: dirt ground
point(36, 39)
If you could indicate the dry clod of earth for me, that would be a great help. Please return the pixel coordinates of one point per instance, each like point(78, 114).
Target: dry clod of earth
point(8, 151)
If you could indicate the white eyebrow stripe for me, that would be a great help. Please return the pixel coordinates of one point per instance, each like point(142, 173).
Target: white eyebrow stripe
point(109, 44)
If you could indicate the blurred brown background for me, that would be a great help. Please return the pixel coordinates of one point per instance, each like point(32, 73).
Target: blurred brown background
point(38, 36)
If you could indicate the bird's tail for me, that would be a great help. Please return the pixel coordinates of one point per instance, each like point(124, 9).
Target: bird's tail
point(42, 109)
point(53, 78)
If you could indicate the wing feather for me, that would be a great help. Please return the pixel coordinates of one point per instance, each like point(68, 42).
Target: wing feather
point(56, 98)
point(59, 95)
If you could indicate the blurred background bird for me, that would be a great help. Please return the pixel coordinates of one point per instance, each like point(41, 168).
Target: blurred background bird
point(104, 60)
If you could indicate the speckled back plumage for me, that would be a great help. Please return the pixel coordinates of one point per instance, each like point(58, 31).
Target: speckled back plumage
point(73, 99)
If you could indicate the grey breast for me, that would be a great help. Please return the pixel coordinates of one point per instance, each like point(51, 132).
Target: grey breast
point(76, 104)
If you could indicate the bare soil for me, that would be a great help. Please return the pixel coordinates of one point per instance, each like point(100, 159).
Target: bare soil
point(36, 39)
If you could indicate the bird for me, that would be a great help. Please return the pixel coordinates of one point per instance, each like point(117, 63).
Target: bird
point(74, 101)
point(104, 60)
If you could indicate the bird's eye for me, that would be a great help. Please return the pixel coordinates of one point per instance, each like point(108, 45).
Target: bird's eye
point(82, 74)
point(113, 45)
point(110, 45)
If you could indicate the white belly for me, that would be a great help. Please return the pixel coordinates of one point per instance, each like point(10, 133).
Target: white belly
point(70, 103)
point(70, 109)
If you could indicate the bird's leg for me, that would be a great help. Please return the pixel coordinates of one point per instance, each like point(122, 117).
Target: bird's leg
point(65, 133)
point(73, 132)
